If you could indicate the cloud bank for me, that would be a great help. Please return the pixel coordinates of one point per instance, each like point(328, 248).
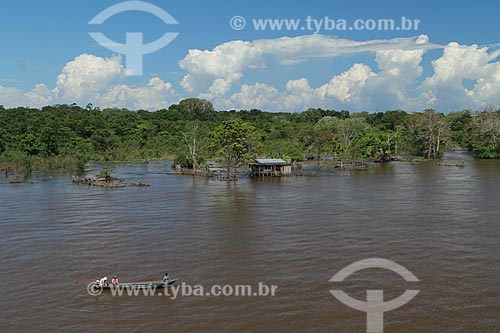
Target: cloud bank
point(462, 76)
point(96, 80)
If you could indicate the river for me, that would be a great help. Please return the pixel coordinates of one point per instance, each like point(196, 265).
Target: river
point(441, 223)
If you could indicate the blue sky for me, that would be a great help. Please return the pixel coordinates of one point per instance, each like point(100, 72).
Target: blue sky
point(40, 38)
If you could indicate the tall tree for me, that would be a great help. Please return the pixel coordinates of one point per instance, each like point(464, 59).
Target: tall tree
point(348, 131)
point(486, 133)
point(435, 133)
point(191, 141)
point(195, 108)
point(460, 126)
point(381, 145)
point(234, 141)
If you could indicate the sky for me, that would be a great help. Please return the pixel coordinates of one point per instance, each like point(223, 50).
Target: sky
point(449, 63)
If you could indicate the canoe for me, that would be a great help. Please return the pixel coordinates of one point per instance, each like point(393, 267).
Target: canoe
point(140, 285)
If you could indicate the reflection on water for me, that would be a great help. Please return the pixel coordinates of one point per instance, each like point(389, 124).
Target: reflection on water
point(439, 222)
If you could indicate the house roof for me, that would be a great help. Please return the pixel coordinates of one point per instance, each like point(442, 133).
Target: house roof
point(270, 161)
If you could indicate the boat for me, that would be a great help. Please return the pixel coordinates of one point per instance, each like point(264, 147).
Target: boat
point(138, 285)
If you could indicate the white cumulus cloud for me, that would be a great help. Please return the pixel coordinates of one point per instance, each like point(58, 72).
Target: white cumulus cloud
point(212, 73)
point(86, 76)
point(396, 79)
point(152, 96)
point(259, 95)
point(446, 87)
point(462, 76)
point(346, 88)
point(92, 79)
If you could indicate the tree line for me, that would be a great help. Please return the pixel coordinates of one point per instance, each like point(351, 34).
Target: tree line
point(191, 132)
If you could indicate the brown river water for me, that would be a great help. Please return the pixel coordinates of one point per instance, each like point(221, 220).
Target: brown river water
point(441, 223)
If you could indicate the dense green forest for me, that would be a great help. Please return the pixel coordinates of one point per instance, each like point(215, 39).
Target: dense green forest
point(65, 137)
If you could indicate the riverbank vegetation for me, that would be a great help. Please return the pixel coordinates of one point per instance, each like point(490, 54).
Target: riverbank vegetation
point(65, 137)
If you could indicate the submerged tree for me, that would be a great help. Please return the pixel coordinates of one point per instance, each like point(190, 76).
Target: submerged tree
point(234, 141)
point(381, 145)
point(434, 133)
point(486, 133)
point(460, 126)
point(191, 140)
point(348, 132)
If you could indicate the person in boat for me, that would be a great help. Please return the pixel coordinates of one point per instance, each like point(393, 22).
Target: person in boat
point(114, 281)
point(166, 278)
point(103, 282)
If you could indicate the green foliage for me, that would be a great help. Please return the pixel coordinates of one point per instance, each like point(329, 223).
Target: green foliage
point(484, 138)
point(105, 174)
point(460, 126)
point(434, 133)
point(347, 133)
point(68, 136)
point(184, 161)
point(81, 163)
point(3, 140)
point(484, 150)
point(380, 145)
point(32, 144)
point(234, 141)
point(425, 134)
point(387, 121)
point(195, 108)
